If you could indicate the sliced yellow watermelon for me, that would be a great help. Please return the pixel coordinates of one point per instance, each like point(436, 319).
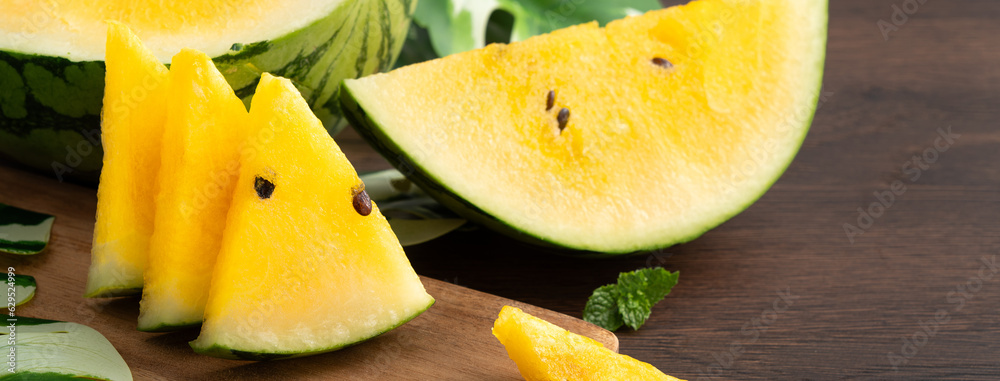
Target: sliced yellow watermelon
point(308, 263)
point(131, 131)
point(203, 136)
point(637, 136)
point(545, 352)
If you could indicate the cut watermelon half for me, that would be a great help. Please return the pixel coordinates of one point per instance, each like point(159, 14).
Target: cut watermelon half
point(636, 136)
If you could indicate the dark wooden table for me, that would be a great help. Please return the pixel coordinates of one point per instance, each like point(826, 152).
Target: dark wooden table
point(781, 291)
point(854, 310)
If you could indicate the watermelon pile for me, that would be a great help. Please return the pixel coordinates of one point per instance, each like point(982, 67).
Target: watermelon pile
point(245, 218)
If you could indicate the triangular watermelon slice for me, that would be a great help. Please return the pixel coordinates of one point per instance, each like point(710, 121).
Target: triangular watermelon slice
point(131, 130)
point(308, 263)
point(202, 138)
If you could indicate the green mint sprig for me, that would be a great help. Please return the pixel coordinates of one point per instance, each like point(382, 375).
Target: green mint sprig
point(630, 301)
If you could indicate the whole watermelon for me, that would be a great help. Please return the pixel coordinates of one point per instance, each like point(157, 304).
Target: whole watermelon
point(51, 84)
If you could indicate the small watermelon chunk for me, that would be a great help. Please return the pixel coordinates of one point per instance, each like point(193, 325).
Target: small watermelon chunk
point(308, 263)
point(544, 351)
point(200, 163)
point(131, 129)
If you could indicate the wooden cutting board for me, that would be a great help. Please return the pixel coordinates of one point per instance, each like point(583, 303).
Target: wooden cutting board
point(452, 340)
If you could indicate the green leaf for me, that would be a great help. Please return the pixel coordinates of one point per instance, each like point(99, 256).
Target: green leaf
point(425, 208)
point(602, 308)
point(22, 231)
point(45, 348)
point(412, 232)
point(414, 216)
point(24, 289)
point(639, 290)
point(416, 49)
point(456, 26)
point(397, 196)
point(388, 185)
point(631, 300)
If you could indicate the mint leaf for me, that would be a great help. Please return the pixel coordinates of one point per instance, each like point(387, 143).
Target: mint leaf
point(456, 26)
point(416, 49)
point(639, 290)
point(631, 300)
point(415, 232)
point(602, 308)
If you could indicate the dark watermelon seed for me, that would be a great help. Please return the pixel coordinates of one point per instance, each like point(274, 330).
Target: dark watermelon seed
point(662, 63)
point(362, 203)
point(550, 100)
point(263, 187)
point(563, 118)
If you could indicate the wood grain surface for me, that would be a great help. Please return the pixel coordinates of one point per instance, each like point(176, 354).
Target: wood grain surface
point(858, 310)
point(452, 340)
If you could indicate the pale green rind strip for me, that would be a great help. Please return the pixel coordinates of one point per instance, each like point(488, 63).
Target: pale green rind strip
point(414, 232)
point(24, 289)
point(45, 346)
point(114, 283)
point(206, 346)
point(24, 232)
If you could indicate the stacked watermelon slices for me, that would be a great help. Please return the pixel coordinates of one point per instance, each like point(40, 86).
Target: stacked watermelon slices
point(232, 219)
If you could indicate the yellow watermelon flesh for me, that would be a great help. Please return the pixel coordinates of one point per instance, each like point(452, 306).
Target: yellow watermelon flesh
point(131, 130)
point(545, 352)
point(674, 121)
point(203, 136)
point(307, 266)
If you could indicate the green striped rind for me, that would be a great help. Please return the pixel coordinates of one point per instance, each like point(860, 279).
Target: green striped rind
point(50, 106)
point(24, 289)
point(34, 376)
point(217, 350)
point(24, 232)
point(163, 327)
point(112, 291)
point(359, 38)
point(372, 132)
point(55, 350)
point(50, 111)
point(117, 283)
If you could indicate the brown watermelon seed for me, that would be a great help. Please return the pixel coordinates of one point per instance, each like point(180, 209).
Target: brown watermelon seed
point(263, 187)
point(563, 118)
point(662, 63)
point(550, 100)
point(362, 203)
